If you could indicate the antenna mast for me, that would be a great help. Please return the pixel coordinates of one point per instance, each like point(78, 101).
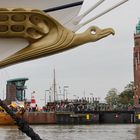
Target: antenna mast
point(54, 85)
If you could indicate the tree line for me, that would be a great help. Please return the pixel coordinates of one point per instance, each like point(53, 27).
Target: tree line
point(125, 98)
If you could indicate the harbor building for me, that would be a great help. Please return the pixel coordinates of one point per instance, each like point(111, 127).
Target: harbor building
point(15, 90)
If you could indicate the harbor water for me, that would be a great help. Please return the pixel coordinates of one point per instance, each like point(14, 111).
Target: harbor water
point(75, 132)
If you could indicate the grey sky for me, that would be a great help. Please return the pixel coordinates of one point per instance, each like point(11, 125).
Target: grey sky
point(94, 67)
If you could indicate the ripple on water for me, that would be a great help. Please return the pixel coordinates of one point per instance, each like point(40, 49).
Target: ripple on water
point(75, 132)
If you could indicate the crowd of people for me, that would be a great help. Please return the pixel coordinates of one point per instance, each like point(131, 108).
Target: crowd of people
point(77, 105)
point(80, 105)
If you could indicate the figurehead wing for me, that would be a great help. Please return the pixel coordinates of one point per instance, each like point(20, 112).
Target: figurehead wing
point(48, 26)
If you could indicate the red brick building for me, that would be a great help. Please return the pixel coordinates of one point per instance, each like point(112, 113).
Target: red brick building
point(136, 62)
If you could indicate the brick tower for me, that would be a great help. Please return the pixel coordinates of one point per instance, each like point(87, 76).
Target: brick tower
point(136, 62)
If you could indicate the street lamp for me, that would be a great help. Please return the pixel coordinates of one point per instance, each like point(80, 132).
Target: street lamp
point(74, 96)
point(65, 92)
point(50, 94)
point(92, 97)
point(46, 96)
point(32, 93)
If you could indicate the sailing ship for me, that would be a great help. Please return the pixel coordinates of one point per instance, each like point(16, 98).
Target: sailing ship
point(66, 12)
point(61, 10)
point(49, 30)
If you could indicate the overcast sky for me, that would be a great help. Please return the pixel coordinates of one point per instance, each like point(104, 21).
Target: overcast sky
point(95, 67)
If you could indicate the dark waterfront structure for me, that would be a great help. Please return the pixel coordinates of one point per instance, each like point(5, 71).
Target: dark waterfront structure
point(95, 117)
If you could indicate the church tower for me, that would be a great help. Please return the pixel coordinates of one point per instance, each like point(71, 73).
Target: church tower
point(136, 62)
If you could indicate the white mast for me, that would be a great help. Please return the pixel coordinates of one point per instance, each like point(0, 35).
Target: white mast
point(54, 85)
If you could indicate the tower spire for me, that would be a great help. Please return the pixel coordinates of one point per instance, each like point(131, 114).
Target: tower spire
point(138, 27)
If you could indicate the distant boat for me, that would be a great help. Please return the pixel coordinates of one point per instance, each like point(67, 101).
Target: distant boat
point(5, 119)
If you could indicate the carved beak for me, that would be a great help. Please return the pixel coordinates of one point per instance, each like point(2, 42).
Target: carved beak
point(101, 33)
point(106, 32)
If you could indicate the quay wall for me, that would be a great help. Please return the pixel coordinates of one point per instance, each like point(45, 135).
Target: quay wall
point(92, 117)
point(116, 117)
point(77, 118)
point(40, 117)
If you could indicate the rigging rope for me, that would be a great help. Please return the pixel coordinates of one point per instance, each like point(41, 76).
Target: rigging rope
point(63, 6)
point(22, 125)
